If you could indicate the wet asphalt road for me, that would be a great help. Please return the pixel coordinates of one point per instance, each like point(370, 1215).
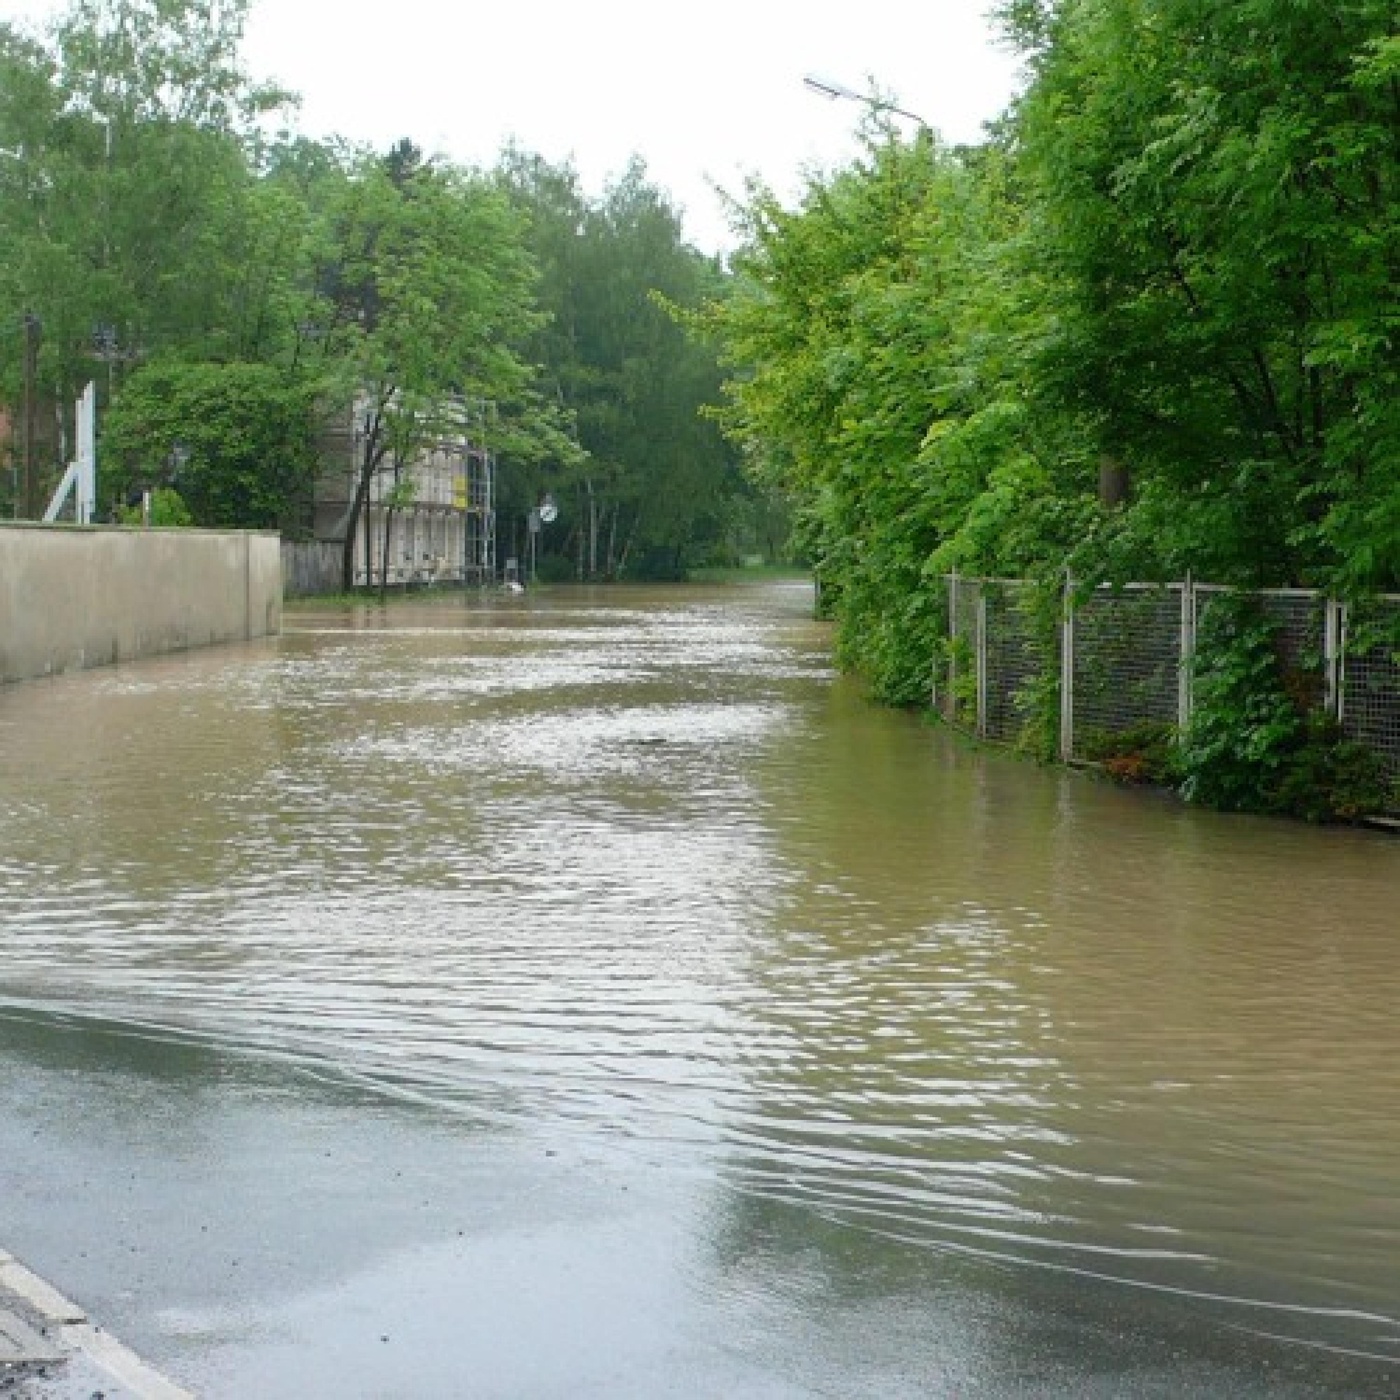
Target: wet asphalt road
point(263, 1228)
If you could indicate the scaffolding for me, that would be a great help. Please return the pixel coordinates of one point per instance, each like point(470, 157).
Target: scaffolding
point(441, 529)
point(478, 488)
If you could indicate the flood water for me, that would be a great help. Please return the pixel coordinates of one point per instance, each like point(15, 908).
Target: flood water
point(928, 1071)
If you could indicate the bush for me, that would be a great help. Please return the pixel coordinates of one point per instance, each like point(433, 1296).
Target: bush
point(168, 508)
point(1144, 753)
point(1252, 745)
point(1331, 778)
point(245, 435)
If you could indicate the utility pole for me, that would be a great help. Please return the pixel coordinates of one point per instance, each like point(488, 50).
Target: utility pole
point(30, 497)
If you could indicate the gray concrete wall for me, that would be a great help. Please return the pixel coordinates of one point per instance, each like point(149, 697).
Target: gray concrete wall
point(72, 598)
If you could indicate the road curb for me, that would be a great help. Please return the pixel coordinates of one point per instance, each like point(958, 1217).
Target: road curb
point(64, 1332)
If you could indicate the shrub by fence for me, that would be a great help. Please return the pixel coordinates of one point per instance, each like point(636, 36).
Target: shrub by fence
point(1017, 659)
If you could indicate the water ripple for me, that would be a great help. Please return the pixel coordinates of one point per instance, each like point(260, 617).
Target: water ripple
point(649, 877)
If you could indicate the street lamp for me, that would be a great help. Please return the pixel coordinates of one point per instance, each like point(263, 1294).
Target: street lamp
point(176, 460)
point(833, 91)
point(546, 513)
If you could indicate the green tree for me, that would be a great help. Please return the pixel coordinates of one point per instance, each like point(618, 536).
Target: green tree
point(1215, 189)
point(874, 338)
point(121, 209)
point(236, 440)
point(424, 298)
point(1173, 265)
point(653, 490)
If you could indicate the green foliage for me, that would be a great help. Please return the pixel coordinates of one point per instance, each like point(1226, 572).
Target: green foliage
point(126, 204)
point(954, 658)
point(411, 300)
point(1244, 725)
point(168, 510)
point(245, 434)
point(1174, 263)
point(870, 379)
point(1216, 233)
point(144, 197)
point(1251, 746)
point(1332, 778)
point(1041, 610)
point(655, 487)
point(1148, 752)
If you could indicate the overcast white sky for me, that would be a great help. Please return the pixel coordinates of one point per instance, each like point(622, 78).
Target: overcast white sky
point(704, 95)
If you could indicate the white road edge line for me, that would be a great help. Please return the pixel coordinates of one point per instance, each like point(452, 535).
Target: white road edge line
point(72, 1329)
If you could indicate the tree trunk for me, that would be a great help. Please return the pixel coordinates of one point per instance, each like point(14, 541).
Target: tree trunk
point(582, 545)
point(30, 417)
point(1115, 483)
point(627, 543)
point(612, 541)
point(352, 524)
point(365, 468)
point(384, 554)
point(592, 532)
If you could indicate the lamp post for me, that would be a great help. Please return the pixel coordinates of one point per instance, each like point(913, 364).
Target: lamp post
point(107, 348)
point(833, 91)
point(176, 460)
point(546, 513)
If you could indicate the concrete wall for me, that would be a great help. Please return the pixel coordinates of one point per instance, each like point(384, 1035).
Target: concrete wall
point(72, 598)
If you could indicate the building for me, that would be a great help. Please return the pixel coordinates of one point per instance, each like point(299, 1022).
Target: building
point(440, 509)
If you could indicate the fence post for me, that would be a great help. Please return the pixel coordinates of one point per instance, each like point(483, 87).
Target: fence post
point(933, 675)
point(982, 662)
point(1334, 658)
point(1067, 672)
point(1188, 654)
point(952, 715)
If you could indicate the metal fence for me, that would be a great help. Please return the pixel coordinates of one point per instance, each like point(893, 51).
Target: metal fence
point(1116, 658)
point(966, 689)
point(1016, 658)
point(310, 567)
point(1125, 653)
point(1368, 691)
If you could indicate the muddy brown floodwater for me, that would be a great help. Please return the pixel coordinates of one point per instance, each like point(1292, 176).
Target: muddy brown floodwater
point(591, 994)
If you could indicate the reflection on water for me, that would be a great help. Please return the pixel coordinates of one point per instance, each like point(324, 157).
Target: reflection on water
point(633, 864)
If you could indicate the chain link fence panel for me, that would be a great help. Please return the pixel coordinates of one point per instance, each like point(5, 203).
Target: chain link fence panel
point(1126, 656)
point(1019, 654)
point(1124, 659)
point(964, 652)
point(1300, 617)
point(1370, 687)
